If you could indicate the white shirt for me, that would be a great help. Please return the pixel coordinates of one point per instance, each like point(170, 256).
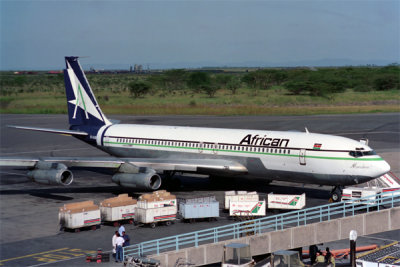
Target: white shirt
point(119, 241)
point(114, 239)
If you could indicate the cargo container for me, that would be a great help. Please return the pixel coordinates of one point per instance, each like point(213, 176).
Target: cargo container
point(239, 196)
point(159, 206)
point(191, 211)
point(283, 201)
point(79, 215)
point(247, 208)
point(117, 209)
point(152, 216)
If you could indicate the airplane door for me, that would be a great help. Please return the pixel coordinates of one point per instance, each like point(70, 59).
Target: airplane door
point(201, 147)
point(302, 157)
point(215, 148)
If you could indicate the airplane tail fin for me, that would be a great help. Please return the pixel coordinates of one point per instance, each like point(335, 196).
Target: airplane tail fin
point(83, 109)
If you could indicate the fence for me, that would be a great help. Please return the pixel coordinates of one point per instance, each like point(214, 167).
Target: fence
point(265, 224)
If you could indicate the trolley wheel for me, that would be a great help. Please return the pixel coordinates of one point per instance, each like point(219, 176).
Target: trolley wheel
point(77, 230)
point(94, 227)
point(168, 223)
point(116, 224)
point(131, 221)
point(153, 225)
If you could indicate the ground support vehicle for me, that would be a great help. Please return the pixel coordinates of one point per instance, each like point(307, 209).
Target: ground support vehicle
point(153, 216)
point(289, 202)
point(205, 207)
point(160, 206)
point(239, 196)
point(246, 209)
point(79, 215)
point(118, 209)
point(386, 183)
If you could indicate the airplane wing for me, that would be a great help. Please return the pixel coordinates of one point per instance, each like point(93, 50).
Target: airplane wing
point(205, 166)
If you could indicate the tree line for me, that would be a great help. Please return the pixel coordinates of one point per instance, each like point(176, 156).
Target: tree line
point(297, 81)
point(313, 82)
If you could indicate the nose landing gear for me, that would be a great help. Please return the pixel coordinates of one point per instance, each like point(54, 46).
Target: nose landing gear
point(336, 194)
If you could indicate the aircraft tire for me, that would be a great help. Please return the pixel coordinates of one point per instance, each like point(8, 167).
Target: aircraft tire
point(336, 195)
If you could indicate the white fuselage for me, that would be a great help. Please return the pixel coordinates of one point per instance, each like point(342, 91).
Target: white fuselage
point(272, 155)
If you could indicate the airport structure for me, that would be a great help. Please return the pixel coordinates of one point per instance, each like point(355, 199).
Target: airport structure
point(286, 231)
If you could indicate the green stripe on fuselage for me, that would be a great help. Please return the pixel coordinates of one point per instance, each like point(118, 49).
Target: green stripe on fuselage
point(247, 152)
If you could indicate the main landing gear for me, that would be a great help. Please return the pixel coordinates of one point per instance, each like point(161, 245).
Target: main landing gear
point(336, 194)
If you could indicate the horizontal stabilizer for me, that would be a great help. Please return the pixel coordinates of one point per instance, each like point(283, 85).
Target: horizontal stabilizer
point(57, 131)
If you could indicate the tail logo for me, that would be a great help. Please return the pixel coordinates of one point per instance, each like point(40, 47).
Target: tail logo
point(82, 99)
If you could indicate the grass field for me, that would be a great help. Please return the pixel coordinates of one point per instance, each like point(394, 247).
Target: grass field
point(297, 91)
point(245, 102)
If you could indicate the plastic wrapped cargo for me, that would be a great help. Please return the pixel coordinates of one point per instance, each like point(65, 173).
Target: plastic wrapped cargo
point(157, 199)
point(247, 208)
point(80, 214)
point(239, 196)
point(201, 199)
point(290, 202)
point(199, 210)
point(118, 208)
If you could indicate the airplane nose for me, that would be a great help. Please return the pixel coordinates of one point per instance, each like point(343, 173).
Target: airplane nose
point(384, 168)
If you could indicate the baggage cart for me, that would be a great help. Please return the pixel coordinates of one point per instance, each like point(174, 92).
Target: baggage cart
point(117, 209)
point(289, 202)
point(192, 211)
point(159, 206)
point(239, 196)
point(79, 215)
point(153, 216)
point(247, 208)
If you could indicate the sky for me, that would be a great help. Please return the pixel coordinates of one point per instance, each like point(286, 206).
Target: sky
point(178, 34)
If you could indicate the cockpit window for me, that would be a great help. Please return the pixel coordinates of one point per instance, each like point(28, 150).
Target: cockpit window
point(357, 153)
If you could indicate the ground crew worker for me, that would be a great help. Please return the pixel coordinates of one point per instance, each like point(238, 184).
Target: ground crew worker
point(320, 257)
point(119, 243)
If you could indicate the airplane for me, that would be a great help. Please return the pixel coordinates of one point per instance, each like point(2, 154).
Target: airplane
point(142, 154)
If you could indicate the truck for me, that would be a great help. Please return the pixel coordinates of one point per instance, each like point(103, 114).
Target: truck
point(283, 201)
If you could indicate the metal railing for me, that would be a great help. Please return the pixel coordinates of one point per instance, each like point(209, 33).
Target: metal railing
point(266, 224)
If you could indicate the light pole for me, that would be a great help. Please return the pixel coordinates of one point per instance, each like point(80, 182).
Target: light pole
point(353, 238)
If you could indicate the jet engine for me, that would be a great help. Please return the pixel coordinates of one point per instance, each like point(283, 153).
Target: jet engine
point(138, 178)
point(51, 173)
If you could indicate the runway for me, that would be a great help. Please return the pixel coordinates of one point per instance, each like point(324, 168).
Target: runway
point(29, 212)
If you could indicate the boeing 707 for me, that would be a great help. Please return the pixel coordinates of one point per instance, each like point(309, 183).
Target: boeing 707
point(142, 154)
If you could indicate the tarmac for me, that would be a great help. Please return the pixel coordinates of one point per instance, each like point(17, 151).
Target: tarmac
point(29, 230)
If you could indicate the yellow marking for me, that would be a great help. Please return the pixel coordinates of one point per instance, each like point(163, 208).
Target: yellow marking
point(83, 251)
point(57, 257)
point(72, 254)
point(31, 255)
point(44, 259)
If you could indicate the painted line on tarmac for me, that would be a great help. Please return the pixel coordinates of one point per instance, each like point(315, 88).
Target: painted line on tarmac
point(46, 263)
point(31, 255)
point(51, 256)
